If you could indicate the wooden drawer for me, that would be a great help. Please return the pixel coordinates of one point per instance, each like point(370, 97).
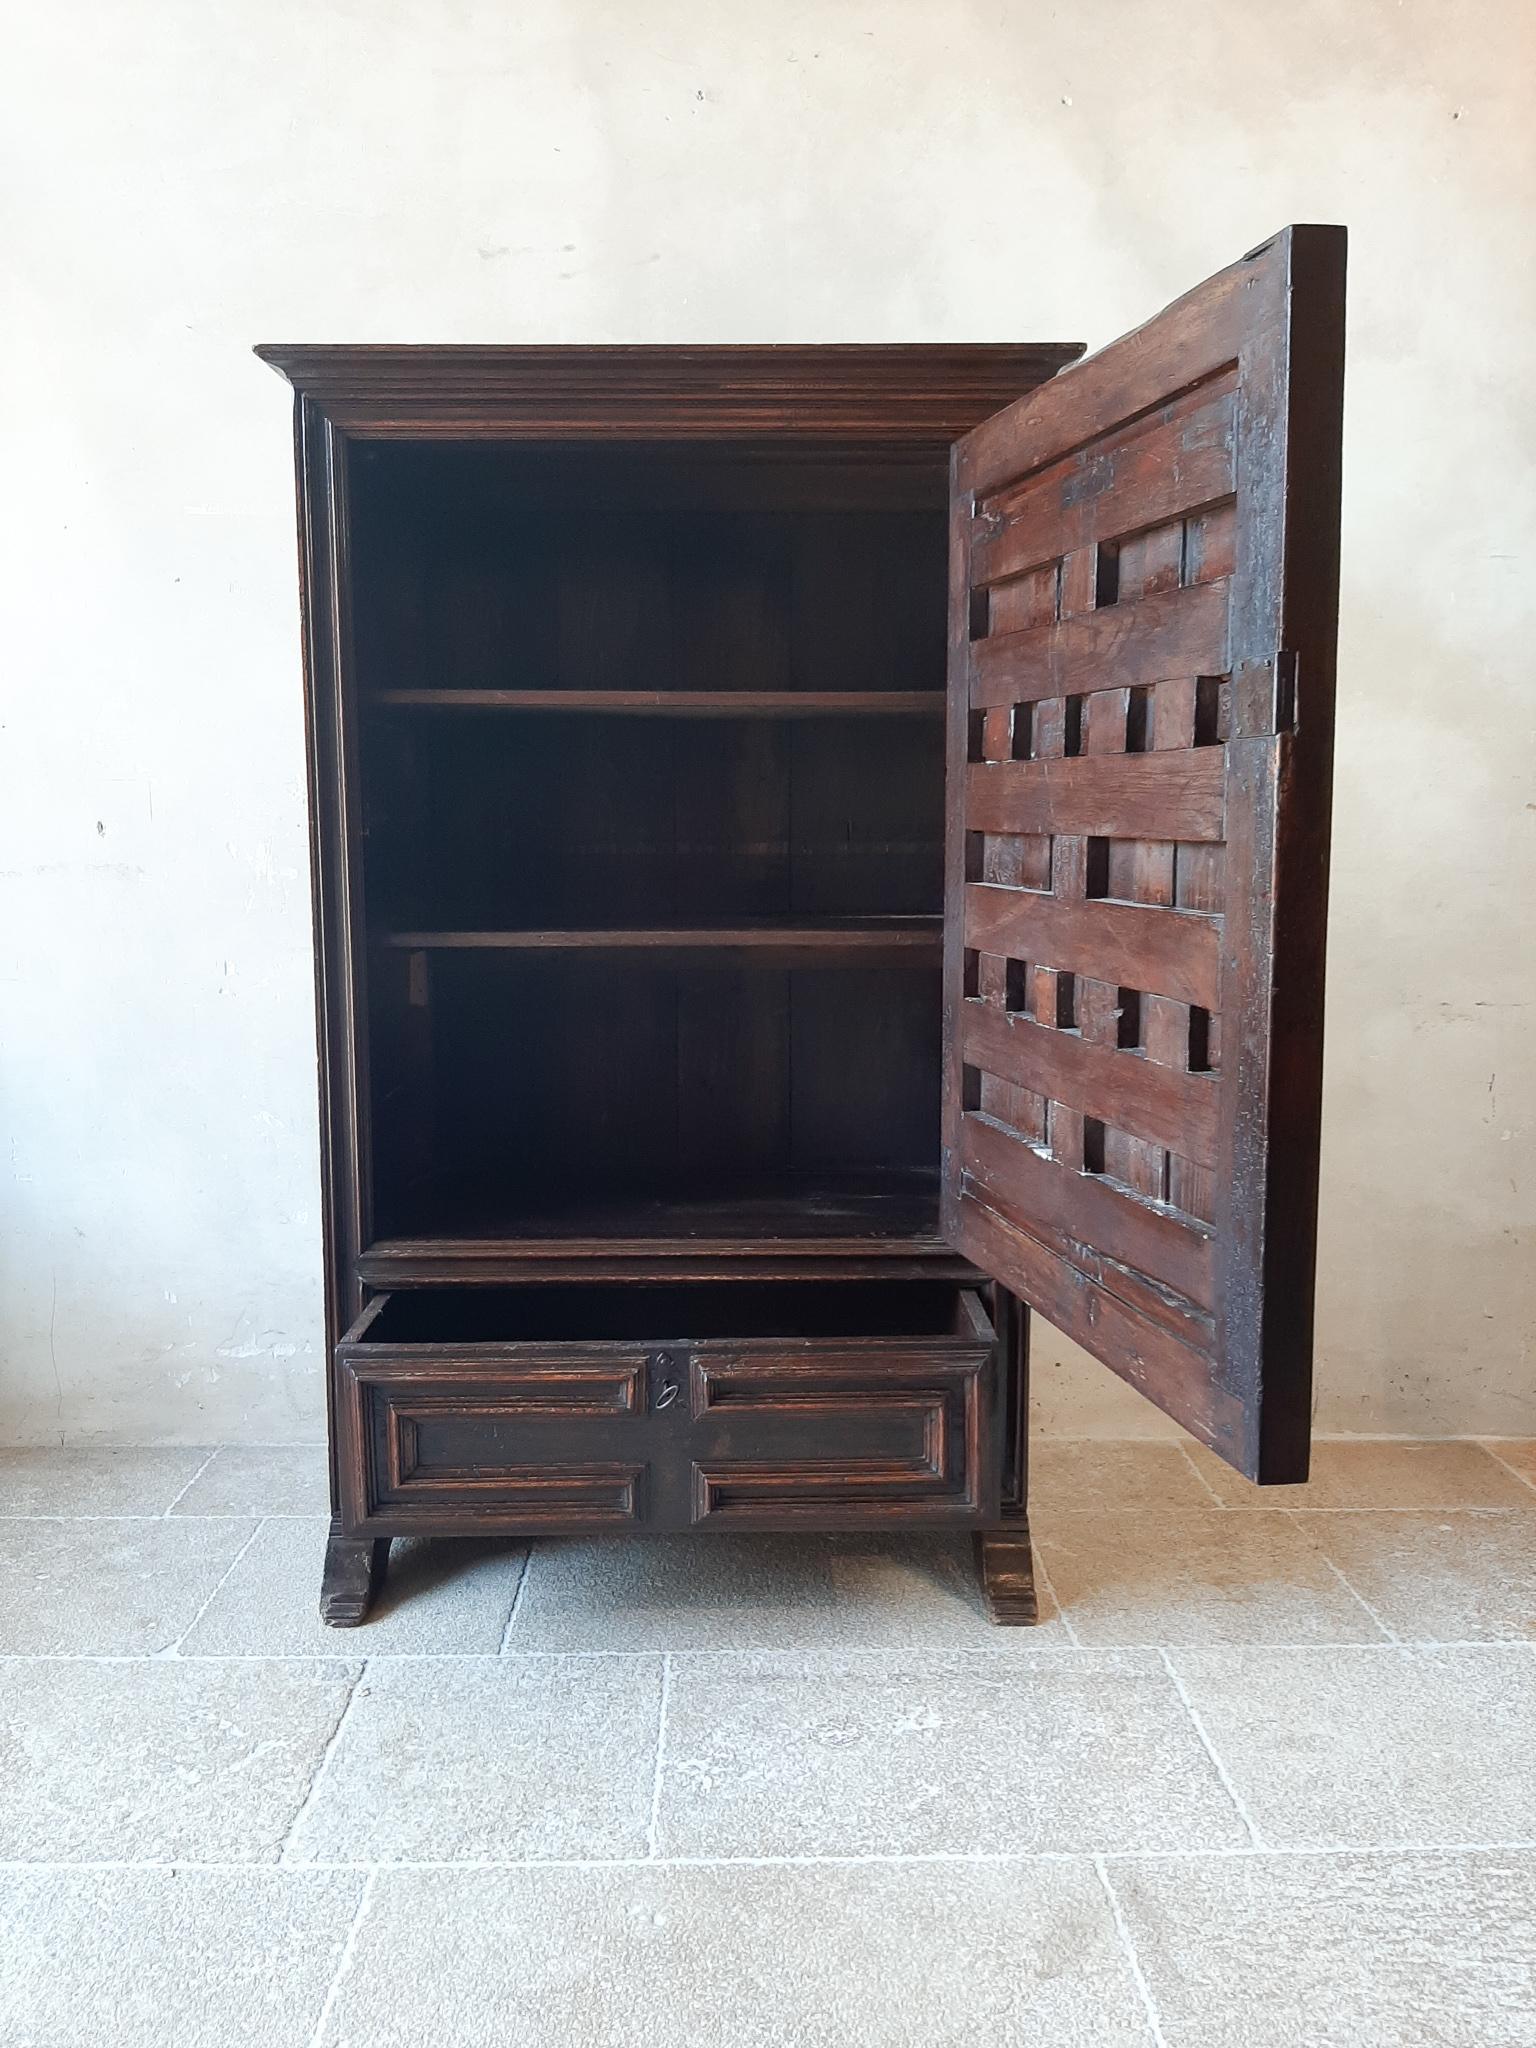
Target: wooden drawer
point(547, 1408)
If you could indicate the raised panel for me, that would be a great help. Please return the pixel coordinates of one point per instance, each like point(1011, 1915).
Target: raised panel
point(454, 1448)
point(550, 1447)
point(831, 1439)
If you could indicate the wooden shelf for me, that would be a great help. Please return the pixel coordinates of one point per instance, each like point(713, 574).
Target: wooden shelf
point(473, 1234)
point(821, 941)
point(681, 703)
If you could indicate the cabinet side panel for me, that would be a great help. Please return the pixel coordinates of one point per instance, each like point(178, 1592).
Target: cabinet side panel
point(334, 879)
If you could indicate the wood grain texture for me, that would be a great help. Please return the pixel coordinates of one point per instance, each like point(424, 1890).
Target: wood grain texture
point(828, 938)
point(1120, 1088)
point(1144, 569)
point(1168, 796)
point(1161, 1350)
point(1189, 342)
point(1004, 1559)
point(1129, 944)
point(457, 1421)
point(351, 1577)
point(1181, 632)
point(1071, 1211)
point(1005, 1564)
point(901, 393)
point(689, 703)
point(330, 728)
point(1152, 469)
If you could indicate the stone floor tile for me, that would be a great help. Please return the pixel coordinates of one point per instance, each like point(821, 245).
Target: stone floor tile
point(495, 1758)
point(1363, 1474)
point(108, 1587)
point(440, 1597)
point(832, 1957)
point(170, 1958)
point(760, 1592)
point(151, 1761)
point(1196, 1576)
point(1373, 1747)
point(1439, 1578)
point(282, 1480)
point(1121, 1477)
point(1519, 1454)
point(813, 1754)
point(1337, 1951)
point(125, 1481)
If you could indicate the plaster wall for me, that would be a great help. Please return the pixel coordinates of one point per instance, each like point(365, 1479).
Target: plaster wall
point(183, 179)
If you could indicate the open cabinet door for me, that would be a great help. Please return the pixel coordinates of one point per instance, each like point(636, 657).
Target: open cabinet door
point(1143, 602)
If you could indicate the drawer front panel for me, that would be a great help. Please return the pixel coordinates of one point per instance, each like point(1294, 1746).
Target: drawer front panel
point(819, 1432)
point(493, 1436)
point(868, 1434)
point(426, 1443)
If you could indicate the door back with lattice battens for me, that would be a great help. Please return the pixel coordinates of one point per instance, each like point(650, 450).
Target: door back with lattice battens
point(1144, 582)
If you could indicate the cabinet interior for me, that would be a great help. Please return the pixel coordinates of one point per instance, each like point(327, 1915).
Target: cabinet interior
point(660, 1314)
point(651, 789)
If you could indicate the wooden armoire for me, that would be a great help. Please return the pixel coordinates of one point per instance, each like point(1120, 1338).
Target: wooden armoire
point(730, 1028)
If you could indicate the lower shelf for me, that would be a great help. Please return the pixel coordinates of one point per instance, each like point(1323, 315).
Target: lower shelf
point(547, 1409)
point(834, 1215)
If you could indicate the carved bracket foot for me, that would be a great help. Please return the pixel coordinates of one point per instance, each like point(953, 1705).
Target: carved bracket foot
point(354, 1572)
point(1005, 1565)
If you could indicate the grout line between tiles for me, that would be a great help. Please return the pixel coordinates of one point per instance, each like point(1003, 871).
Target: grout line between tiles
point(1128, 1945)
point(261, 1516)
point(1513, 1470)
point(1516, 1846)
point(1353, 1592)
point(191, 1482)
point(175, 1648)
point(1002, 1652)
point(1176, 1436)
point(517, 1600)
point(84, 1449)
point(1038, 1555)
point(313, 1787)
point(344, 1961)
point(1217, 1764)
point(1227, 1510)
point(1216, 1498)
point(1391, 1634)
point(661, 1752)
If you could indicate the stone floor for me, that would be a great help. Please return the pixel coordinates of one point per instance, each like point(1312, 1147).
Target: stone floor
point(1266, 1774)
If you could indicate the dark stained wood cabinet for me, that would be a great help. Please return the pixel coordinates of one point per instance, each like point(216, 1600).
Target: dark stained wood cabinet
point(730, 1027)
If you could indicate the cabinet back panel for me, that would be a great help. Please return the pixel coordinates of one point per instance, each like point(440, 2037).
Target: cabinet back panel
point(496, 820)
point(508, 1086)
point(794, 569)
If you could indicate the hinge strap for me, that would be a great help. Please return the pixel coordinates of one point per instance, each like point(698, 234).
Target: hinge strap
point(1264, 697)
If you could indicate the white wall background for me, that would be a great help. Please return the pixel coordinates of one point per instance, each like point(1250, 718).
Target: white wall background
point(183, 178)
